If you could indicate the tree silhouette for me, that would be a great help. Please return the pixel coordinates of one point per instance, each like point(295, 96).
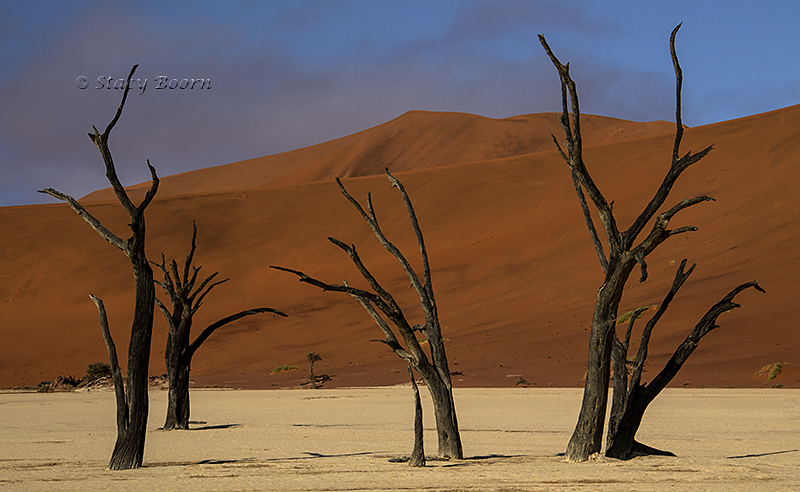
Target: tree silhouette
point(623, 251)
point(434, 371)
point(186, 296)
point(132, 400)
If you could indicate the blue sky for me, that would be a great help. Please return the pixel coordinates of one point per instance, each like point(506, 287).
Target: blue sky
point(287, 74)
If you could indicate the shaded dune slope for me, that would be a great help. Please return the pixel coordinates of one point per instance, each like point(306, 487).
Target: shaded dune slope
point(514, 270)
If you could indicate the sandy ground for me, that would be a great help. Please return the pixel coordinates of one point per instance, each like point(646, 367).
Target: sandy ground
point(343, 439)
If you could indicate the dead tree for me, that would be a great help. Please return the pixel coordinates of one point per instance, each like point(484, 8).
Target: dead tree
point(623, 255)
point(132, 402)
point(435, 371)
point(630, 400)
point(186, 296)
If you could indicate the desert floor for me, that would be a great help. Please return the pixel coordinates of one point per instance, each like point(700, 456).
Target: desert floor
point(343, 439)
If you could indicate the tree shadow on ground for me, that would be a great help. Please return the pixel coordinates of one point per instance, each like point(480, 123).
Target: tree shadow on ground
point(217, 426)
point(761, 454)
point(448, 463)
point(312, 456)
point(193, 463)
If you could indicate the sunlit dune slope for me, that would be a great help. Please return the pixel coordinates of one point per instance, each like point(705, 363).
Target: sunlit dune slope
point(514, 270)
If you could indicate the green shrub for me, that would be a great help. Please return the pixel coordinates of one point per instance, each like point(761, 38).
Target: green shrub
point(627, 316)
point(285, 367)
point(98, 370)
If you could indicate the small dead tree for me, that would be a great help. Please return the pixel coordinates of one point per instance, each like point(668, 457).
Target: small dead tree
point(630, 399)
point(132, 400)
point(435, 371)
point(186, 296)
point(623, 255)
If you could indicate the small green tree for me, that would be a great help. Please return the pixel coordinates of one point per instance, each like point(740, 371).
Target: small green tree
point(312, 357)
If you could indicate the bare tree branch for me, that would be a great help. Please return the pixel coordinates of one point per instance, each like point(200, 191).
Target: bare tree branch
point(678, 164)
point(678, 90)
point(587, 216)
point(336, 288)
point(116, 373)
point(373, 223)
point(210, 329)
point(660, 233)
point(391, 339)
point(569, 96)
point(89, 219)
point(426, 268)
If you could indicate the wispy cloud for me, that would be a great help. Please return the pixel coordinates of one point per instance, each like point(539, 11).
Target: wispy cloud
point(290, 74)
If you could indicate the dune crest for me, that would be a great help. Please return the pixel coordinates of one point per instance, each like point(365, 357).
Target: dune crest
point(414, 140)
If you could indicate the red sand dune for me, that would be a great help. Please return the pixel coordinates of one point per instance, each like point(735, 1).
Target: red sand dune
point(514, 270)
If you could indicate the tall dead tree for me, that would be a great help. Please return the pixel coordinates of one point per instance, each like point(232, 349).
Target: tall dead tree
point(132, 402)
point(630, 399)
point(435, 371)
point(623, 255)
point(186, 296)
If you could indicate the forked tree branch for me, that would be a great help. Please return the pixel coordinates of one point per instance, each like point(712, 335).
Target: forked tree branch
point(426, 268)
point(391, 339)
point(659, 233)
point(679, 164)
point(335, 287)
point(641, 356)
point(569, 98)
point(101, 142)
point(364, 271)
point(389, 307)
point(391, 248)
point(618, 242)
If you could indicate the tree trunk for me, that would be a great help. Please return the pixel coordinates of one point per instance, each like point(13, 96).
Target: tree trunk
point(178, 364)
point(418, 455)
point(444, 410)
point(129, 449)
point(587, 439)
point(178, 398)
point(622, 443)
